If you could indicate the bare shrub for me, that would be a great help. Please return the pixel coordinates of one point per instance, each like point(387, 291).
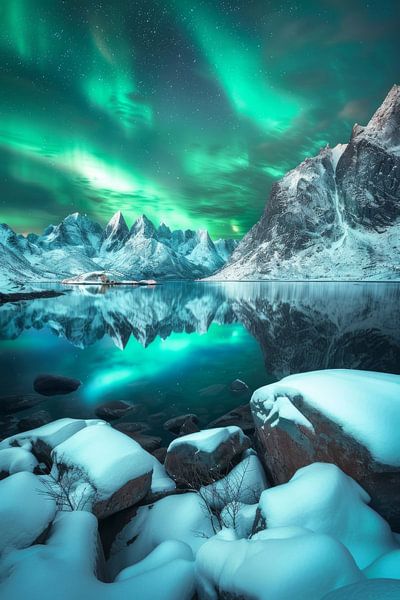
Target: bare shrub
point(70, 487)
point(221, 492)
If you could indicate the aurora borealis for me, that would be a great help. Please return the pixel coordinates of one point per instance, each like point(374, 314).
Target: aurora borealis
point(185, 110)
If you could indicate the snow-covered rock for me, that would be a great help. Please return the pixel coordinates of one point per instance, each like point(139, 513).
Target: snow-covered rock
point(25, 511)
point(385, 566)
point(117, 467)
point(303, 566)
point(347, 417)
point(49, 435)
point(15, 460)
point(335, 216)
point(69, 565)
point(182, 518)
point(198, 458)
point(375, 589)
point(322, 499)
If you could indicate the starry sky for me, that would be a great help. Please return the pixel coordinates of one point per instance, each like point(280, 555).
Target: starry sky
point(185, 110)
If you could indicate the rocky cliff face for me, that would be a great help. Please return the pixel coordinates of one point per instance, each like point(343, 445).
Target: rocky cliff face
point(335, 216)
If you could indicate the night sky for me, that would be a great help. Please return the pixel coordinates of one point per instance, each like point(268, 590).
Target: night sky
point(186, 111)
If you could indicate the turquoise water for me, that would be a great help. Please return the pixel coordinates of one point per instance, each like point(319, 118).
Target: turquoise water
point(177, 347)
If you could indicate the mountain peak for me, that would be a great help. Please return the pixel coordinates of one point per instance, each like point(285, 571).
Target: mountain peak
point(144, 226)
point(117, 222)
point(384, 127)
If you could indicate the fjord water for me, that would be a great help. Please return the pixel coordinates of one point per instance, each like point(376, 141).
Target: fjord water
point(176, 348)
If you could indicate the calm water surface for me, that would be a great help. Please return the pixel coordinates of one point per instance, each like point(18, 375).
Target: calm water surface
point(177, 347)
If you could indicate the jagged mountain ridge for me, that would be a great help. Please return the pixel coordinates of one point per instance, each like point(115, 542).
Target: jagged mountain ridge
point(78, 245)
point(335, 216)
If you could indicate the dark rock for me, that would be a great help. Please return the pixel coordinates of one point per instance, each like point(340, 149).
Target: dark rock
point(157, 417)
point(33, 421)
point(128, 495)
point(239, 387)
point(55, 385)
point(132, 427)
point(212, 390)
point(188, 463)
point(17, 297)
point(160, 454)
point(110, 527)
point(240, 416)
point(113, 410)
point(16, 403)
point(183, 424)
point(148, 442)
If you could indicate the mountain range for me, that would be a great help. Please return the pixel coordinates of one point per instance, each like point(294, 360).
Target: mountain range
point(335, 216)
point(78, 245)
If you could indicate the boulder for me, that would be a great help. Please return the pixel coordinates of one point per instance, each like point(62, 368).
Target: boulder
point(148, 442)
point(240, 416)
point(25, 510)
point(239, 387)
point(41, 440)
point(38, 419)
point(114, 466)
point(55, 385)
point(160, 454)
point(200, 458)
point(132, 427)
point(183, 424)
point(349, 418)
point(113, 410)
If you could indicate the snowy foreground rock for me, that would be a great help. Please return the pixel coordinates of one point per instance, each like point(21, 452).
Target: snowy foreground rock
point(349, 418)
point(194, 458)
point(230, 537)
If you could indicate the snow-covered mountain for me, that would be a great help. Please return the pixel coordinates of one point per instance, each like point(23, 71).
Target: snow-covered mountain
point(78, 245)
point(335, 216)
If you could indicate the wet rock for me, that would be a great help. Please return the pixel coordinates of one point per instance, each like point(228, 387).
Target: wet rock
point(240, 416)
point(160, 454)
point(16, 403)
point(33, 421)
point(132, 427)
point(148, 442)
point(200, 458)
point(239, 387)
point(183, 424)
point(55, 385)
point(212, 390)
point(113, 410)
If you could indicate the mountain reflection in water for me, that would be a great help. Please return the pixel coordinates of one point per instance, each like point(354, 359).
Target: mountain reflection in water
point(165, 345)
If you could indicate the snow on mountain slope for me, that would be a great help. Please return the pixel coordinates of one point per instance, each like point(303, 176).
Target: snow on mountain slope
point(335, 216)
point(78, 245)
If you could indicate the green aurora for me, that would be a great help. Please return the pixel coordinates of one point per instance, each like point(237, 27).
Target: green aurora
point(186, 111)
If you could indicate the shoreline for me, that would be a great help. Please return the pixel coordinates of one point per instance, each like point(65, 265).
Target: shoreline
point(19, 296)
